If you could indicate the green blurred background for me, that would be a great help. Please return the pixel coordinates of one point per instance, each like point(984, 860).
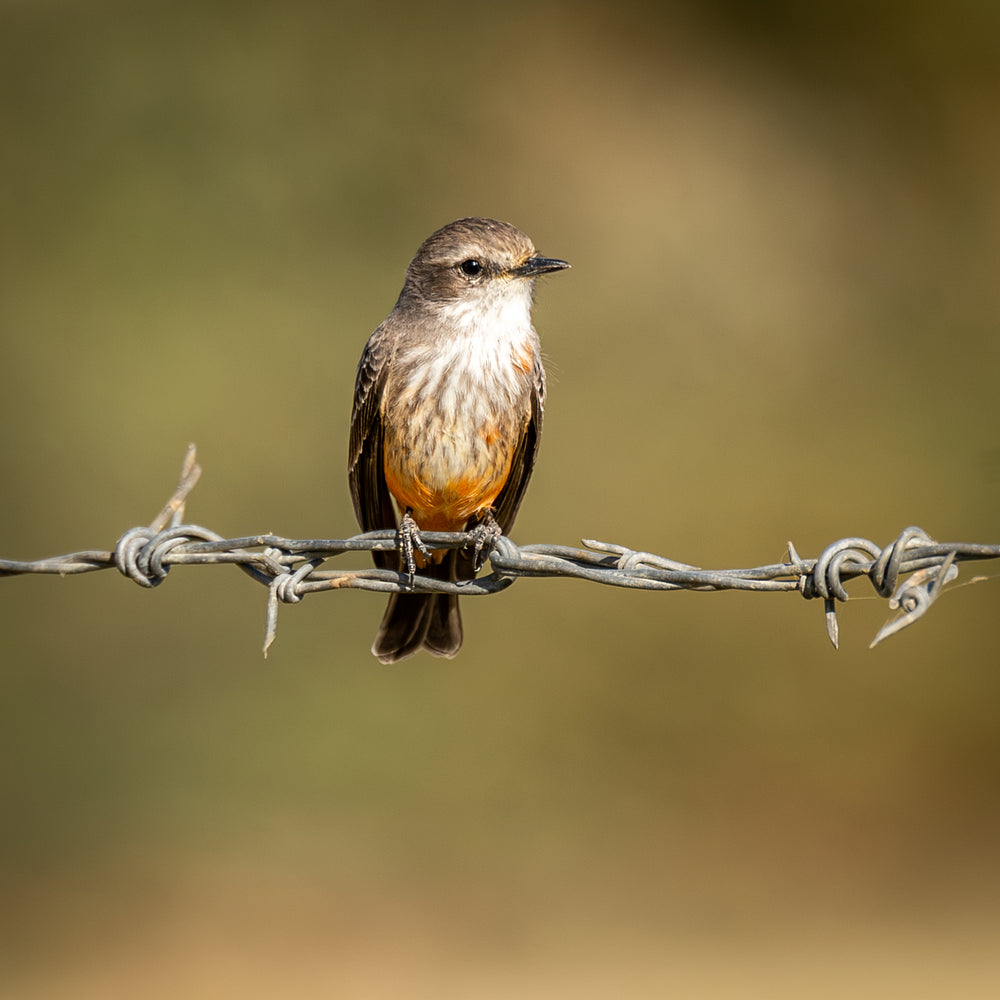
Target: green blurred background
point(781, 323)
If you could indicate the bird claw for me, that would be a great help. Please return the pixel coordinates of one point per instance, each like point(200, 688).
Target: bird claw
point(484, 536)
point(409, 539)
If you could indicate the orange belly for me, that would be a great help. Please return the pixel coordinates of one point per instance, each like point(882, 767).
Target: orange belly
point(445, 479)
point(452, 417)
point(445, 505)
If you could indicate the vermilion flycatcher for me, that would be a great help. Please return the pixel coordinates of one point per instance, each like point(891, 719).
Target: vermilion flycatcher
point(447, 415)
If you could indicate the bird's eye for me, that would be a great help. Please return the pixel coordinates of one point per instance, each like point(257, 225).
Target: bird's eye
point(470, 268)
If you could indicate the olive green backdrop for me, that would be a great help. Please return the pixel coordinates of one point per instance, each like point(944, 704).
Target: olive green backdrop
point(781, 323)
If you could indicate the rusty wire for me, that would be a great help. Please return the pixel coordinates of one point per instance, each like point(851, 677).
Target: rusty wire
point(291, 568)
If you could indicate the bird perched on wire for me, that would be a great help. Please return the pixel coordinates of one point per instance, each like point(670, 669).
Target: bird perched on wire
point(447, 417)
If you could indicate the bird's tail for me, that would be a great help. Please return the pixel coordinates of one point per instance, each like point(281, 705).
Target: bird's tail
point(422, 621)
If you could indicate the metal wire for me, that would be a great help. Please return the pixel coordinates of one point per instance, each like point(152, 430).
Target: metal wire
point(291, 567)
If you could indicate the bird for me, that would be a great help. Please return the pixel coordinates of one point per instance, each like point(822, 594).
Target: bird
point(447, 418)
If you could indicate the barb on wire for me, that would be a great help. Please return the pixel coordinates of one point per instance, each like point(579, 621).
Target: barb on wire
point(910, 572)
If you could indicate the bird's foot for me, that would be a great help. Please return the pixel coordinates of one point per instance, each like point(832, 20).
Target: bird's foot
point(484, 536)
point(409, 539)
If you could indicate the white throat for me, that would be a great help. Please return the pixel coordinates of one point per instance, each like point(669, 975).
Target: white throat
point(488, 344)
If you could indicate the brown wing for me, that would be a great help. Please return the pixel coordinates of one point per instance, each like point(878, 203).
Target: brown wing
point(509, 500)
point(369, 493)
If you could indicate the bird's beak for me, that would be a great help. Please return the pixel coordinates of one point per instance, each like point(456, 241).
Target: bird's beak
point(534, 266)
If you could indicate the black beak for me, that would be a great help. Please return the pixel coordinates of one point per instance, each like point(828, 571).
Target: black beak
point(534, 266)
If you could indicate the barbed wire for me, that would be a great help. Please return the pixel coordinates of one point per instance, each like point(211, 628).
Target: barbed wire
point(290, 567)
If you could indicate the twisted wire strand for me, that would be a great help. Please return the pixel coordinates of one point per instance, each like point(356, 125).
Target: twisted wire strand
point(291, 568)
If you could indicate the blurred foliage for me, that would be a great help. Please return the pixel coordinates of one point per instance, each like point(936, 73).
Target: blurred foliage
point(784, 221)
